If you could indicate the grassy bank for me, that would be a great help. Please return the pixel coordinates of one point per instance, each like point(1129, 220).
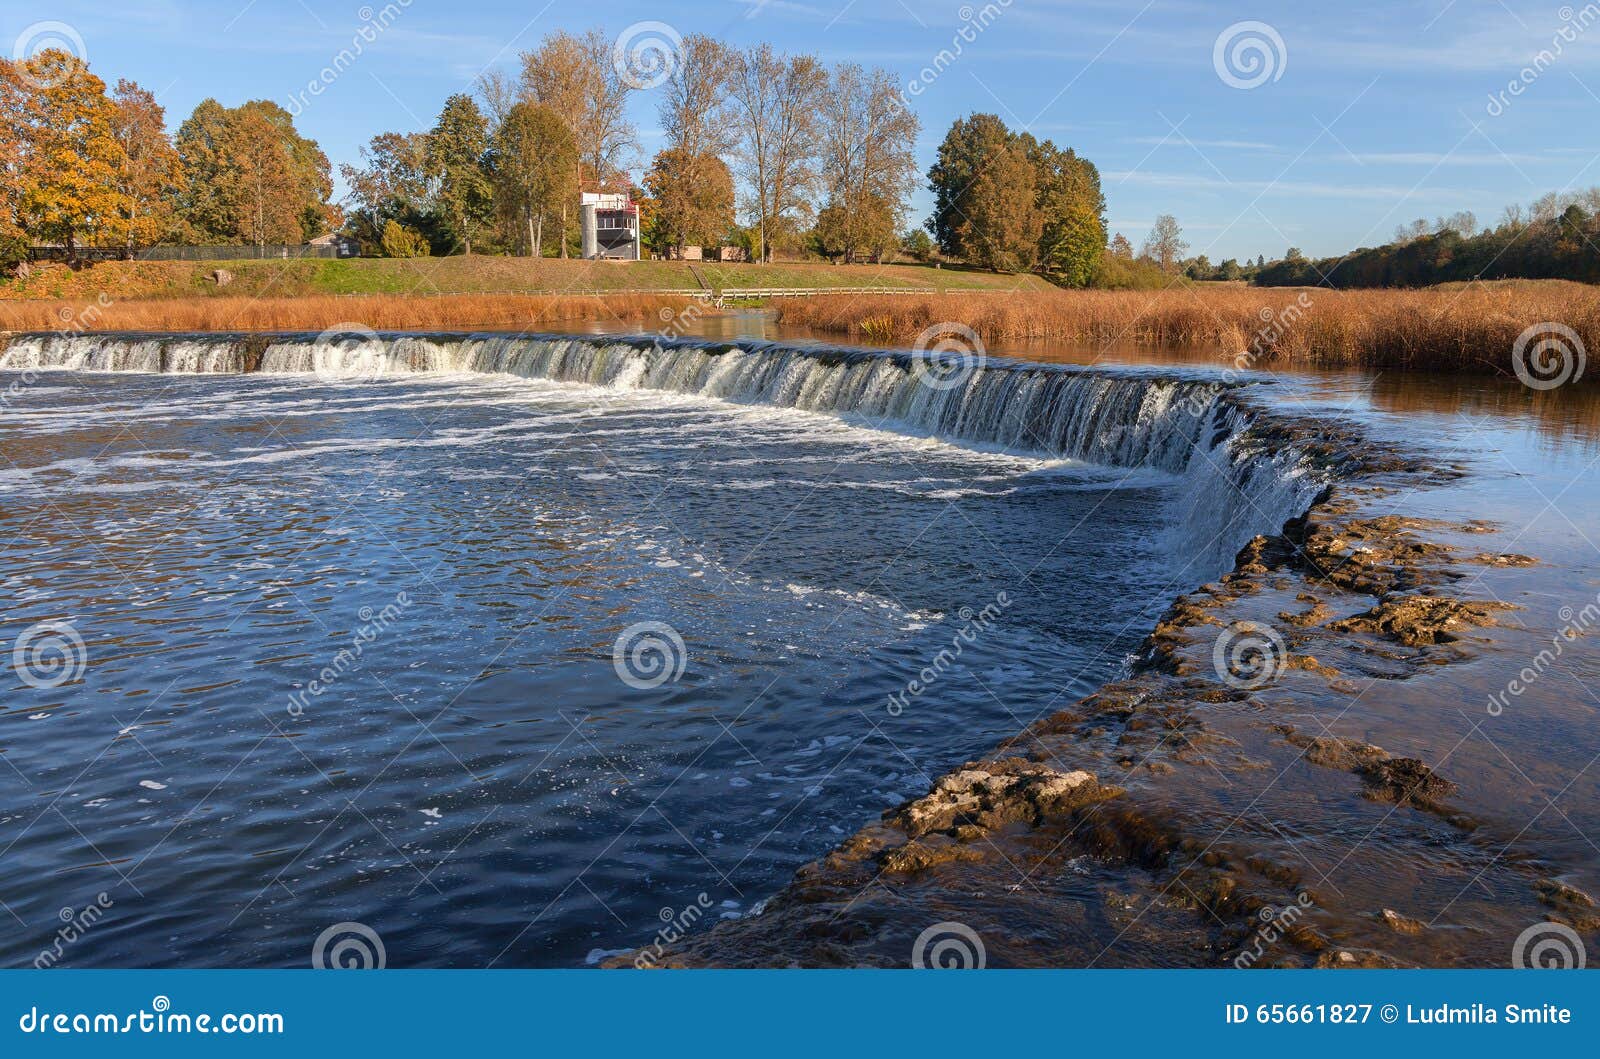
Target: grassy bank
point(123, 280)
point(1460, 328)
point(317, 312)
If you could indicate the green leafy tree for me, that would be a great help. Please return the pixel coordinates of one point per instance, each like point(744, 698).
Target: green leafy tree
point(390, 184)
point(919, 244)
point(250, 177)
point(454, 161)
point(1072, 213)
point(533, 159)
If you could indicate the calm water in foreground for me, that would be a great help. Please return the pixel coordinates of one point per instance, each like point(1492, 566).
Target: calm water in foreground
point(487, 783)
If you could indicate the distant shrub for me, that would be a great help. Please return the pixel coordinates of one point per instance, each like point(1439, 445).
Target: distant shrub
point(1114, 272)
point(400, 241)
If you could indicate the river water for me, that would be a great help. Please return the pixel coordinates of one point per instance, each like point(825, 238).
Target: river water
point(508, 652)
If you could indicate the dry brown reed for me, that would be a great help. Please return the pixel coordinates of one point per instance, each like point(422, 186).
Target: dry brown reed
point(318, 312)
point(1457, 328)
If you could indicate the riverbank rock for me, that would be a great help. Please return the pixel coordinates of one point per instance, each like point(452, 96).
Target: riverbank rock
point(1422, 621)
point(1403, 780)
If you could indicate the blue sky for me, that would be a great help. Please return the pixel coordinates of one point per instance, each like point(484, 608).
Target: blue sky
point(1367, 114)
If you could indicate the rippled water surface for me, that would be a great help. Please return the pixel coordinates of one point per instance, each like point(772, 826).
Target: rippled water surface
point(477, 784)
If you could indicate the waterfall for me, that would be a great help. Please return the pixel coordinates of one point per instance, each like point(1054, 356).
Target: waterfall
point(1234, 484)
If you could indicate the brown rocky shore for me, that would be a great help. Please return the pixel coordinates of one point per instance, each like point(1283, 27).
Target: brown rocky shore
point(1220, 806)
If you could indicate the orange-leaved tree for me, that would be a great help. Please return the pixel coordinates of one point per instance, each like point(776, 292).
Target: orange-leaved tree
point(67, 187)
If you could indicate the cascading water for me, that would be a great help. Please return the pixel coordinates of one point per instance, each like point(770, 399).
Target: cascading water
point(1234, 486)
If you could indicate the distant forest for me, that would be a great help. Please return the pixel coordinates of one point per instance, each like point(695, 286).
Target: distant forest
point(1557, 237)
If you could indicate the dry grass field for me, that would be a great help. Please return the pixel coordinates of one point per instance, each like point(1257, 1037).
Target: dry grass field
point(1456, 328)
point(317, 312)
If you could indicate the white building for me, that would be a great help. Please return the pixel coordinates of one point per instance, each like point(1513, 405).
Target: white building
point(610, 226)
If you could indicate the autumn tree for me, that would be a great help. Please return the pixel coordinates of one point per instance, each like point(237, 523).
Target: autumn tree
point(68, 160)
point(454, 161)
point(692, 107)
point(775, 103)
point(867, 161)
point(399, 241)
point(498, 92)
point(249, 177)
point(13, 240)
point(691, 200)
point(690, 187)
point(605, 136)
point(532, 162)
point(574, 78)
point(148, 174)
point(1165, 244)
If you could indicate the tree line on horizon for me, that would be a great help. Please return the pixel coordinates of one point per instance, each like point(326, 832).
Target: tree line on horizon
point(1555, 237)
point(761, 150)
